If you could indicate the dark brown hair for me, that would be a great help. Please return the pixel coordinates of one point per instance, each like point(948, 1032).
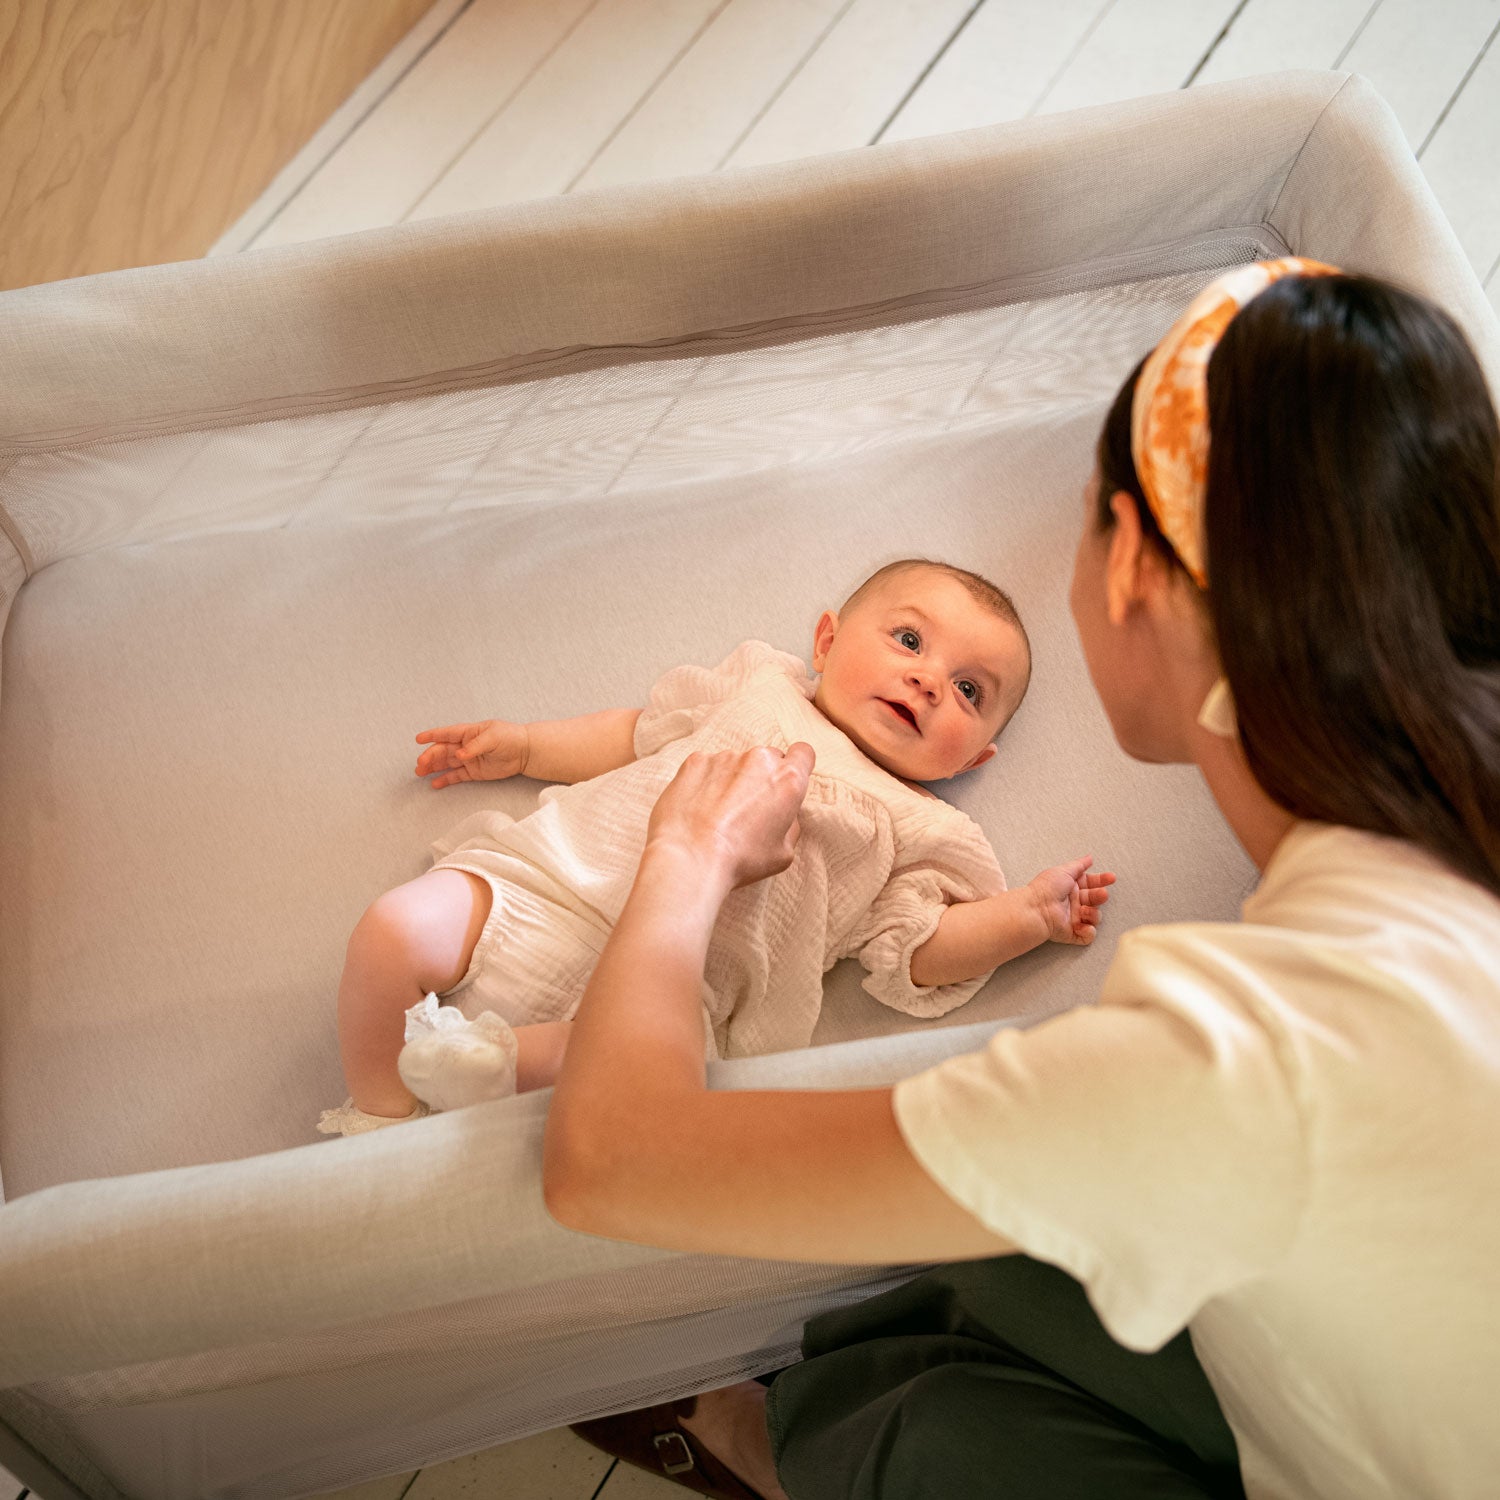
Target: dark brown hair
point(1352, 536)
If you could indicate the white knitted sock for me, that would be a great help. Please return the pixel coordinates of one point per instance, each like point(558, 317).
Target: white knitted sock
point(451, 1061)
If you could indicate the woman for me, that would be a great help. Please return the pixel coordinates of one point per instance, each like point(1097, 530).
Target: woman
point(1279, 1135)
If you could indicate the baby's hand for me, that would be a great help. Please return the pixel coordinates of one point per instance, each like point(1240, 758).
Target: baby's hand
point(487, 751)
point(1068, 900)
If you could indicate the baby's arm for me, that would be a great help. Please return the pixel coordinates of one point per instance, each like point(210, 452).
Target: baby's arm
point(549, 750)
point(1061, 905)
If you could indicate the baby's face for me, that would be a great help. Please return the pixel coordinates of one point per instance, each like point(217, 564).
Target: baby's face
point(920, 675)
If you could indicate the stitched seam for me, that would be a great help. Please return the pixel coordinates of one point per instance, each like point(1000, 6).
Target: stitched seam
point(1290, 171)
point(13, 531)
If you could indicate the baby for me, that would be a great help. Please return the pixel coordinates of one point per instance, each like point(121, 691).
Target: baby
point(920, 670)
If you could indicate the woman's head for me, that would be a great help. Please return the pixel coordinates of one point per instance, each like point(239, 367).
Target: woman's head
point(1351, 545)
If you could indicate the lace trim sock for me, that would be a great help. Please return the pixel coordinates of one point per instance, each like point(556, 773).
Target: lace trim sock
point(450, 1061)
point(348, 1120)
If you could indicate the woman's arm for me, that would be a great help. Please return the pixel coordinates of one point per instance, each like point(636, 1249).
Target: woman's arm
point(637, 1148)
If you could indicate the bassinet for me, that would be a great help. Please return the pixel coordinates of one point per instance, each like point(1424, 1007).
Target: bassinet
point(266, 516)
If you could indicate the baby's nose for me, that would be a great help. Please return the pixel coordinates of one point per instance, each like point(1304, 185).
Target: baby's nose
point(923, 680)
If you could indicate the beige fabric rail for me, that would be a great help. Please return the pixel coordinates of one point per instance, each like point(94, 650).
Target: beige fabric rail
point(471, 299)
point(201, 1277)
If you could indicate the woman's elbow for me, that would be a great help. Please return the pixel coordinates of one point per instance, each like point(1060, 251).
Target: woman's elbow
point(574, 1184)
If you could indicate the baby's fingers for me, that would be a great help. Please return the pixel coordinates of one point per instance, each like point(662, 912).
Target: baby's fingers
point(448, 734)
point(437, 758)
point(482, 739)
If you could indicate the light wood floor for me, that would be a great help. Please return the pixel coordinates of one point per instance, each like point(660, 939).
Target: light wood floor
point(490, 101)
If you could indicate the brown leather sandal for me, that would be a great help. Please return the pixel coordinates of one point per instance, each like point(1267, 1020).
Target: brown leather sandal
point(654, 1440)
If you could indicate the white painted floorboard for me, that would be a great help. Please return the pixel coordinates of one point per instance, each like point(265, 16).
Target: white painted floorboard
point(1138, 47)
point(492, 101)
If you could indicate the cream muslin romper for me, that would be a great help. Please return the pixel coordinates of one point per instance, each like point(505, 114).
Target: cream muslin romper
point(875, 866)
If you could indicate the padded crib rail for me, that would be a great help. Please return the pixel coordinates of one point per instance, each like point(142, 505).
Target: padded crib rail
point(530, 287)
point(120, 1271)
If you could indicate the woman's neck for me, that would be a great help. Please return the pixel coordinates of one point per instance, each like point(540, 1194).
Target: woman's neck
point(1257, 822)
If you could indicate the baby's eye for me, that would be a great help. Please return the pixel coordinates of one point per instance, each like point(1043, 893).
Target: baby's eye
point(971, 690)
point(910, 639)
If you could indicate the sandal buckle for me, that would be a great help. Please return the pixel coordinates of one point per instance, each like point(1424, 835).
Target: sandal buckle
point(664, 1442)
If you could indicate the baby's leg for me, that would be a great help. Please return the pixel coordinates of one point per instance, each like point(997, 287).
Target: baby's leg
point(415, 939)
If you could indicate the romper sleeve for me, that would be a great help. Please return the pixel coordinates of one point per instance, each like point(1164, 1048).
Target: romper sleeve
point(684, 697)
point(906, 913)
point(1156, 1146)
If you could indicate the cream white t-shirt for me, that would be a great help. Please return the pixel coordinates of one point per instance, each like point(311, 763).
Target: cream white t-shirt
point(1283, 1133)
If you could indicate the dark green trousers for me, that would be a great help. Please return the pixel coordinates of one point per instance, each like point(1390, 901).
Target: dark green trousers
point(993, 1380)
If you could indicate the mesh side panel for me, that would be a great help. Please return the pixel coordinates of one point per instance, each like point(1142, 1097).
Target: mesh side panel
point(447, 1386)
point(48, 1433)
point(516, 1327)
point(620, 430)
point(12, 576)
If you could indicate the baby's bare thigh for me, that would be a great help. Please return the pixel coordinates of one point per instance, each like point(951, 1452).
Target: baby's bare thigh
point(441, 915)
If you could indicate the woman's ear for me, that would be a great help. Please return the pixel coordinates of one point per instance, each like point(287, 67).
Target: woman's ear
point(1122, 568)
point(827, 628)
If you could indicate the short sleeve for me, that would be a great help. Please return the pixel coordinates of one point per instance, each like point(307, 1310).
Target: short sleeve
point(684, 697)
point(906, 913)
point(1153, 1146)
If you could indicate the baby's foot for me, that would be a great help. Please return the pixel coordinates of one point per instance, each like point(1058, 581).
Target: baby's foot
point(451, 1061)
point(347, 1119)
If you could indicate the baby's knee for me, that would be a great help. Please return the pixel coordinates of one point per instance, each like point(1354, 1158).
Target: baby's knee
point(425, 929)
point(391, 929)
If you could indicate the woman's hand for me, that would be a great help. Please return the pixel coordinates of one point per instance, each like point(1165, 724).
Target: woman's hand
point(490, 750)
point(1068, 900)
point(734, 813)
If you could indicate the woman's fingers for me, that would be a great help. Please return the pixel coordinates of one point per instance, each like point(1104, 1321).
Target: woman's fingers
point(736, 811)
point(798, 764)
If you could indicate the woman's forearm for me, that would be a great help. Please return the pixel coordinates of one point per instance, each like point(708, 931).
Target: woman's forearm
point(974, 937)
point(639, 1028)
point(638, 1148)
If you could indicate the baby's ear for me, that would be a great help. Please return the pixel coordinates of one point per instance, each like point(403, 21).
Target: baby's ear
point(823, 634)
point(984, 756)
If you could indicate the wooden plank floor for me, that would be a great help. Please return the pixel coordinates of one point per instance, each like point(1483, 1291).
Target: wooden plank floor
point(500, 100)
point(512, 99)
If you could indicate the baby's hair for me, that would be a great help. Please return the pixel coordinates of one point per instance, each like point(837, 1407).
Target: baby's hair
point(988, 595)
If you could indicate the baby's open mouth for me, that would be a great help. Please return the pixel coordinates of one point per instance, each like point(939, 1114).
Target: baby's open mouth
point(902, 711)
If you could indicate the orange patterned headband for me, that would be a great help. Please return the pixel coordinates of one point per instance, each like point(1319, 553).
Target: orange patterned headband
point(1169, 417)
